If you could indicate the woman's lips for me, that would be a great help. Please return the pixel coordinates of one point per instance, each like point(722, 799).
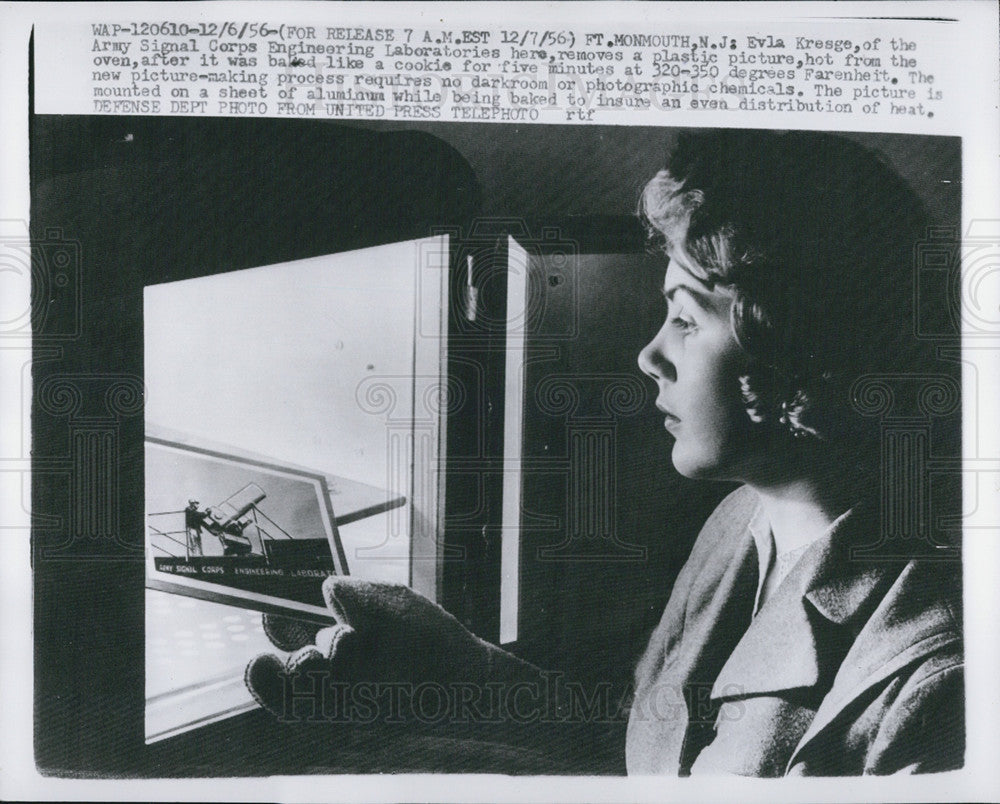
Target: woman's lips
point(670, 420)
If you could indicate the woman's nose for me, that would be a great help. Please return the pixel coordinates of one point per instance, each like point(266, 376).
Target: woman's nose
point(653, 361)
point(646, 361)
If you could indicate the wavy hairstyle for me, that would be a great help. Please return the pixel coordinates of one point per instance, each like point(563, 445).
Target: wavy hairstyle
point(814, 235)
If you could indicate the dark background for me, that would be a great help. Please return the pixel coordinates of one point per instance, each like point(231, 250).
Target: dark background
point(139, 201)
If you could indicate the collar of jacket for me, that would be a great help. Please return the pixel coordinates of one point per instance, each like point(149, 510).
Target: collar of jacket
point(826, 598)
point(846, 621)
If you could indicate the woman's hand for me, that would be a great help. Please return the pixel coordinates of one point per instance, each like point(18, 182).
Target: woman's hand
point(385, 634)
point(396, 658)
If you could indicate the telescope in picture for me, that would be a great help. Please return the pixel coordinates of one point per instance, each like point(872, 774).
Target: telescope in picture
point(227, 521)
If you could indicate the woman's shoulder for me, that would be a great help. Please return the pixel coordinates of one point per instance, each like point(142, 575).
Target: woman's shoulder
point(731, 517)
point(737, 507)
point(723, 540)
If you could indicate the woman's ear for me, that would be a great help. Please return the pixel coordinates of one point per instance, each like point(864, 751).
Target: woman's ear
point(756, 406)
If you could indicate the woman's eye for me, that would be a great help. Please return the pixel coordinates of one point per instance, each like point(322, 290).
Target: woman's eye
point(681, 323)
point(678, 319)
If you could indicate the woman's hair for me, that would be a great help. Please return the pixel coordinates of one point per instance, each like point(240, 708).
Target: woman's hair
point(814, 236)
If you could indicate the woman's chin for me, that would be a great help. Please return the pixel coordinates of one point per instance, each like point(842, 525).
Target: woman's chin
point(691, 464)
point(697, 463)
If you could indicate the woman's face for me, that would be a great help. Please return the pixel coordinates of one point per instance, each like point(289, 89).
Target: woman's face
point(696, 364)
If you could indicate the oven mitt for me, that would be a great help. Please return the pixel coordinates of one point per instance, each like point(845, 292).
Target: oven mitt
point(287, 633)
point(384, 633)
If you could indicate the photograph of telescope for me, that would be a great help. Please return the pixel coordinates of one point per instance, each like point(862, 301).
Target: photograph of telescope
point(267, 542)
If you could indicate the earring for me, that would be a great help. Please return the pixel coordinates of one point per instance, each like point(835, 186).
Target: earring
point(790, 412)
point(789, 424)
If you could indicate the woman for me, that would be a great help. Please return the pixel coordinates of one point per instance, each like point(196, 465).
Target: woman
point(786, 647)
point(788, 287)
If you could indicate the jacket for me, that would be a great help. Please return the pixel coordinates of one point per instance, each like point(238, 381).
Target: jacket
point(853, 666)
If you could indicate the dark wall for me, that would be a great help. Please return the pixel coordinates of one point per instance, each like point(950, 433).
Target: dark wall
point(539, 171)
